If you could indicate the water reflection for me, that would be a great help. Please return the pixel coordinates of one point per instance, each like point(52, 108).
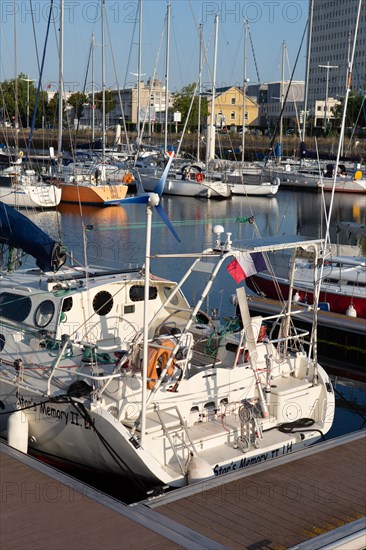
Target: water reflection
point(49, 221)
point(116, 235)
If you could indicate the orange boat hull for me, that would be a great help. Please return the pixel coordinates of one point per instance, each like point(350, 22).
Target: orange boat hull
point(92, 194)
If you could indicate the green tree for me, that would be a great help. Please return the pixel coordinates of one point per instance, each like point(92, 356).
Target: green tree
point(355, 115)
point(24, 89)
point(110, 102)
point(182, 103)
point(52, 110)
point(77, 101)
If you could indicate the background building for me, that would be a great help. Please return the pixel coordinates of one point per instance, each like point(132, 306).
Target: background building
point(269, 98)
point(332, 35)
point(229, 108)
point(152, 105)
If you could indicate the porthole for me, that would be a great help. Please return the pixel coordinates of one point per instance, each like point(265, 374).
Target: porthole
point(44, 313)
point(2, 342)
point(103, 302)
point(67, 304)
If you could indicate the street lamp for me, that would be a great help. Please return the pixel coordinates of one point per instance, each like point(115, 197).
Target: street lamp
point(28, 80)
point(328, 67)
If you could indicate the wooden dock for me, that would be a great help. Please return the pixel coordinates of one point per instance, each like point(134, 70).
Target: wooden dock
point(304, 500)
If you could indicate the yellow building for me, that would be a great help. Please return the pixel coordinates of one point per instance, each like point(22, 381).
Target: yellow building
point(229, 108)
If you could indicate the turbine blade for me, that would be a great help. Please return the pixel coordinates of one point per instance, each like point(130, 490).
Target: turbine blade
point(139, 199)
point(166, 220)
point(161, 183)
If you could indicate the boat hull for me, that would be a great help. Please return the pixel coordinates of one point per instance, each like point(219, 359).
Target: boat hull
point(97, 195)
point(346, 186)
point(260, 190)
point(338, 303)
point(189, 188)
point(94, 439)
point(31, 196)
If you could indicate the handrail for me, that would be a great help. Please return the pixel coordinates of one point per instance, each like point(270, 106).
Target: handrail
point(65, 344)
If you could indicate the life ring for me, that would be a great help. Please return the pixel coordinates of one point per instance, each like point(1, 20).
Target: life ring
point(157, 360)
point(127, 178)
point(200, 177)
point(21, 154)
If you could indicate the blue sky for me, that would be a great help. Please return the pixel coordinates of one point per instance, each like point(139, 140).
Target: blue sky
point(270, 23)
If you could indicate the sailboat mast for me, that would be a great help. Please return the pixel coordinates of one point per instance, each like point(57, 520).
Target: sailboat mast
point(16, 112)
point(199, 92)
point(244, 89)
point(167, 77)
point(210, 155)
point(282, 90)
point(139, 69)
point(343, 124)
point(103, 85)
point(93, 91)
point(60, 87)
point(307, 72)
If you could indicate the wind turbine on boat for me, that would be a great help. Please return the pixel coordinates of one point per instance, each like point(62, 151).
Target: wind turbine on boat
point(151, 200)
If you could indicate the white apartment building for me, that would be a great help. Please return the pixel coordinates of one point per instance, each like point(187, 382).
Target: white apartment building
point(333, 32)
point(152, 105)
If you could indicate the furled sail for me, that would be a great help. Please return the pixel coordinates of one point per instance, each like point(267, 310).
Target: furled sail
point(18, 231)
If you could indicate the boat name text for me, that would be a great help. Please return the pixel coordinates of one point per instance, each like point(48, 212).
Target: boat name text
point(244, 462)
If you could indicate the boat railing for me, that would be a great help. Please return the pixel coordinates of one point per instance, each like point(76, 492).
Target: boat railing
point(299, 336)
point(66, 343)
point(304, 309)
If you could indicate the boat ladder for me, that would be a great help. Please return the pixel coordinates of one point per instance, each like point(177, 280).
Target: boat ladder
point(43, 193)
point(184, 439)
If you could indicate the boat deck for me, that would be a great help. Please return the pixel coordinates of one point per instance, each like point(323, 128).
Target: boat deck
point(305, 500)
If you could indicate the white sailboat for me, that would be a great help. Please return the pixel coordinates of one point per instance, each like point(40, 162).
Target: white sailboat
point(19, 187)
point(243, 179)
point(118, 372)
point(186, 179)
point(95, 182)
point(26, 189)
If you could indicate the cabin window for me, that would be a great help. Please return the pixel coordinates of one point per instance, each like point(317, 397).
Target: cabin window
point(67, 304)
point(103, 302)
point(137, 293)
point(14, 306)
point(167, 293)
point(2, 342)
point(44, 313)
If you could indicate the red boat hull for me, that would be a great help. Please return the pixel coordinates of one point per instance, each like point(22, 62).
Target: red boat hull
point(338, 303)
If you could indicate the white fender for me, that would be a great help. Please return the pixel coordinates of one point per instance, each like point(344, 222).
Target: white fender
point(18, 431)
point(351, 312)
point(198, 469)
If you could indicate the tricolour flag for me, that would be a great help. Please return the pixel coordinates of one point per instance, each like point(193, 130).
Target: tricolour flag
point(246, 265)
